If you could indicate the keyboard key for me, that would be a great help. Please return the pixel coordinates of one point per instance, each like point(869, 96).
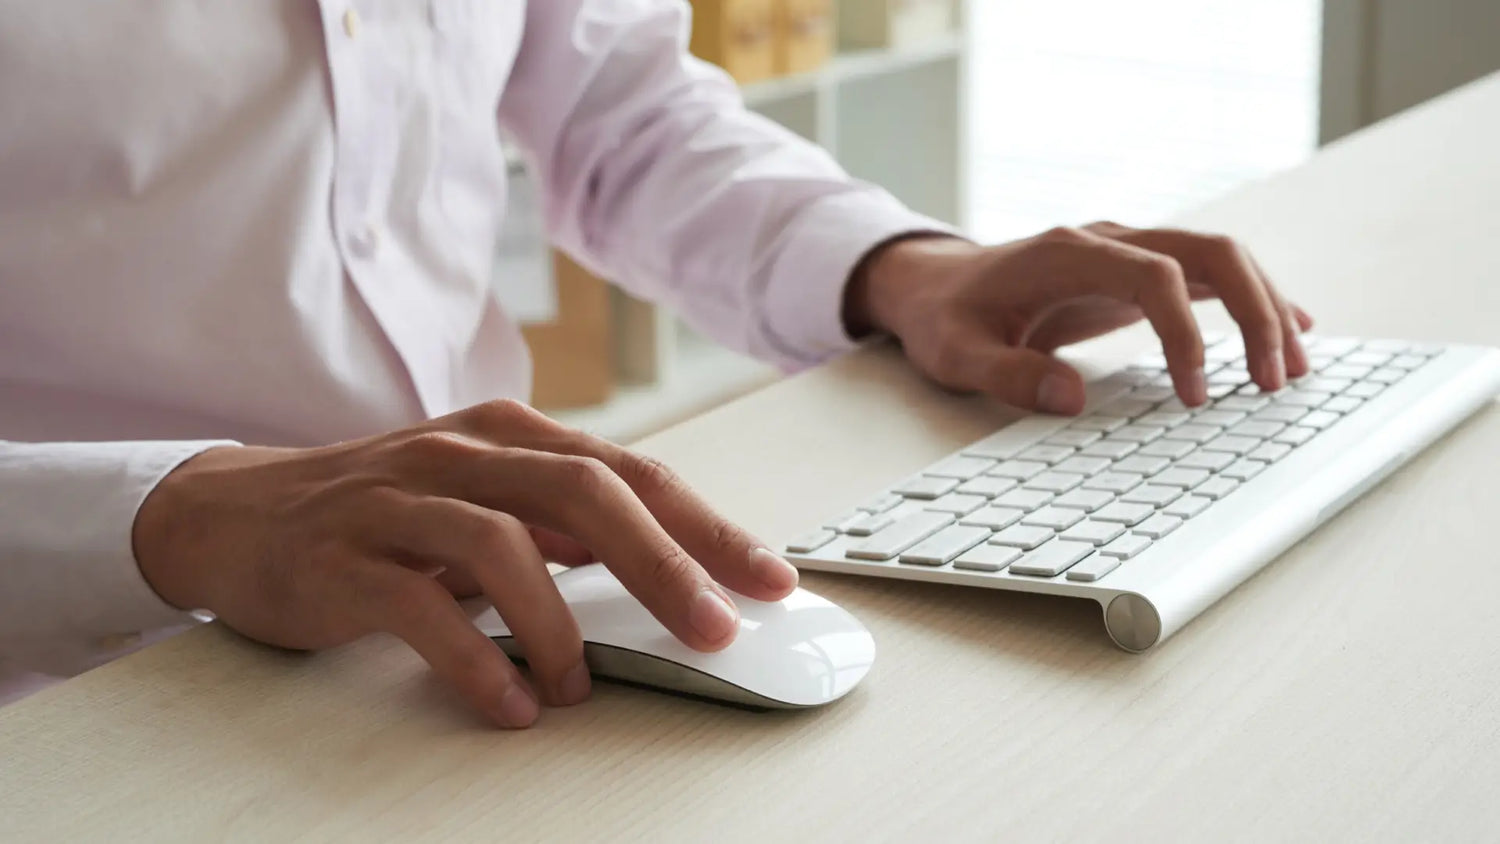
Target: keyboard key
point(872, 523)
point(1345, 370)
point(1219, 391)
point(944, 545)
point(1187, 506)
point(1180, 478)
point(1216, 488)
point(956, 503)
point(1123, 513)
point(1331, 345)
point(1367, 358)
point(842, 521)
point(1157, 526)
point(900, 536)
point(1213, 461)
point(1365, 390)
point(881, 503)
point(987, 486)
point(1171, 449)
point(1317, 363)
point(1097, 423)
point(1093, 568)
point(1259, 429)
point(1046, 453)
point(962, 468)
point(1302, 398)
point(1073, 438)
point(1324, 384)
point(1295, 435)
point(1280, 413)
point(1022, 499)
point(1115, 482)
point(1219, 418)
point(810, 541)
point(1126, 546)
point(1136, 434)
point(1152, 494)
point(994, 518)
point(1407, 361)
point(986, 558)
point(1022, 536)
point(1394, 347)
point(1270, 452)
point(926, 486)
point(1086, 500)
point(1231, 444)
point(1111, 449)
point(1194, 432)
point(1342, 404)
point(1142, 465)
point(1051, 559)
point(1054, 481)
point(1151, 394)
point(1232, 376)
point(1164, 418)
point(1057, 518)
point(1243, 470)
point(1018, 469)
point(1094, 533)
point(1319, 419)
point(1247, 404)
point(1082, 465)
point(1125, 408)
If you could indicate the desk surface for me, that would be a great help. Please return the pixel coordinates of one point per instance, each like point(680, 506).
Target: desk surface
point(1345, 691)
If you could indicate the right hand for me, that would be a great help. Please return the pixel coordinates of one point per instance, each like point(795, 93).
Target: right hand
point(311, 548)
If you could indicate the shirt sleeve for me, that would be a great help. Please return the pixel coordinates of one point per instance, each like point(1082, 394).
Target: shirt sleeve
point(656, 176)
point(67, 568)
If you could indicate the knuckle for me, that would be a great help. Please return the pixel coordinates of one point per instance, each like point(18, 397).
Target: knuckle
point(1064, 235)
point(511, 414)
point(640, 470)
point(587, 475)
point(1221, 244)
point(726, 536)
point(436, 446)
point(670, 565)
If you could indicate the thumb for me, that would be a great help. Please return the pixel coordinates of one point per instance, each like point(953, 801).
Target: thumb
point(1022, 377)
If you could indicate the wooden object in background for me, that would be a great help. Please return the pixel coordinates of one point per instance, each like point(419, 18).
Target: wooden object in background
point(866, 24)
point(804, 35)
point(573, 356)
point(737, 35)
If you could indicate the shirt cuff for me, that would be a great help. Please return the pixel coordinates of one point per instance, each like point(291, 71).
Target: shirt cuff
point(67, 564)
point(805, 295)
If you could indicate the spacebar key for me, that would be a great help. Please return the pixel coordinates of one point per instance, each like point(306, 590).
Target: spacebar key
point(885, 544)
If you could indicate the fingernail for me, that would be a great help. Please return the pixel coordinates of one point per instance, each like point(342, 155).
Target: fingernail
point(774, 572)
point(1054, 394)
point(713, 616)
point(517, 708)
point(575, 685)
point(1196, 388)
point(1274, 365)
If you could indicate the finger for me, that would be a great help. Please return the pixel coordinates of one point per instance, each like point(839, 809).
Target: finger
point(1090, 265)
point(497, 552)
point(459, 583)
point(1304, 320)
point(1293, 351)
point(731, 554)
point(397, 600)
point(1022, 377)
point(582, 498)
point(560, 549)
point(1220, 263)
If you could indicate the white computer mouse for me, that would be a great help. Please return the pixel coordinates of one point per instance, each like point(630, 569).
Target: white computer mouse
point(798, 652)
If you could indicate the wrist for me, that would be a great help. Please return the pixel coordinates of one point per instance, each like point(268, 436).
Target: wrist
point(165, 523)
point(882, 286)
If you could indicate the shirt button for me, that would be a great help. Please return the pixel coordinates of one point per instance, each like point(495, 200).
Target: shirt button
point(118, 641)
point(365, 241)
point(351, 22)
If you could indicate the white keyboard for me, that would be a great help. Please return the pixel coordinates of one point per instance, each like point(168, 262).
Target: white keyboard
point(1154, 509)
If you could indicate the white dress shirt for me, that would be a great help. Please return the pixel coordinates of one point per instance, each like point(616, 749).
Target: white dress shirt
point(274, 222)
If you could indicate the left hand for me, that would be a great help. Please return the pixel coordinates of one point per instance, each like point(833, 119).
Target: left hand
point(987, 318)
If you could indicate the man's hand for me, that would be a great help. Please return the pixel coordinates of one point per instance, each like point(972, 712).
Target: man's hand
point(311, 548)
point(986, 319)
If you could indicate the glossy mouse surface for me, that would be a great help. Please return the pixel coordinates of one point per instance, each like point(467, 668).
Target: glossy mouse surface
point(798, 652)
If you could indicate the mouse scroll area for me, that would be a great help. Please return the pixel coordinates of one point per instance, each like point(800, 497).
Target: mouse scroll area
point(641, 669)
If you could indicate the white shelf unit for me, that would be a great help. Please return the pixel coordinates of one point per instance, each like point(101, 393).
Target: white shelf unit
point(894, 117)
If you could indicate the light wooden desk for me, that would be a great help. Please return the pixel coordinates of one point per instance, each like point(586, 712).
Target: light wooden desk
point(1351, 691)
